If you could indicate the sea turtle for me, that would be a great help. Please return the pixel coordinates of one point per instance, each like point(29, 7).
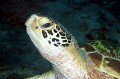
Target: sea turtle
point(93, 60)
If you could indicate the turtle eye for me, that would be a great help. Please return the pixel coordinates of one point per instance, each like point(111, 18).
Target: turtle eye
point(46, 25)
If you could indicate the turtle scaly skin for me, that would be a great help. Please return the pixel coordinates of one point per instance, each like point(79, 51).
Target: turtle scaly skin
point(60, 48)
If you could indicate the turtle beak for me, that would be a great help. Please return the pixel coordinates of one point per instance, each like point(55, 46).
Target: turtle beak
point(32, 23)
point(30, 20)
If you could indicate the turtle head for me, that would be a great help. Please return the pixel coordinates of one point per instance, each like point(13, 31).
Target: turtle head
point(49, 36)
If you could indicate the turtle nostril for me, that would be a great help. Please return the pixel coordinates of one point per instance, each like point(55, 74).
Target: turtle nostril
point(36, 27)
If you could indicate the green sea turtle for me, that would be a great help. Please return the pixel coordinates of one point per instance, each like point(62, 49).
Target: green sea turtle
point(94, 60)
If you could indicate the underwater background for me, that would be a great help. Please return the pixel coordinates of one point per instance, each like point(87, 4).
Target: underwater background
point(86, 19)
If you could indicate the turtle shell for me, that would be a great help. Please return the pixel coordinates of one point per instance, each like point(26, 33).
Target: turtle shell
point(104, 55)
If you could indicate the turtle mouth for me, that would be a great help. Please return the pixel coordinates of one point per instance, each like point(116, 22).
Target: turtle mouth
point(40, 45)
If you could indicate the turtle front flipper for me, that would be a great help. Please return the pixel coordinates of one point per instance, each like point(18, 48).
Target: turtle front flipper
point(47, 75)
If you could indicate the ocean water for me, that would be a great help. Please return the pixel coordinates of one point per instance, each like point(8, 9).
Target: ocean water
point(86, 19)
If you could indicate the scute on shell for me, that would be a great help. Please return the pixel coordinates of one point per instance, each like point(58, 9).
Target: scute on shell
point(105, 56)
